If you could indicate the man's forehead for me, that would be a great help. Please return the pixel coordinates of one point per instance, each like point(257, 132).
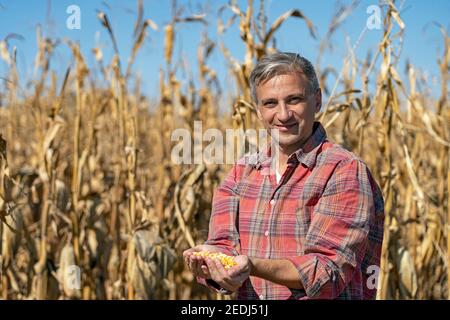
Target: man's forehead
point(281, 82)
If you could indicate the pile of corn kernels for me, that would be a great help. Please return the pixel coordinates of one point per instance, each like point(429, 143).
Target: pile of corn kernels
point(226, 260)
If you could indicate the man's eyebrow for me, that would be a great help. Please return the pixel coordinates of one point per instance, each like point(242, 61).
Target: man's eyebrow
point(295, 95)
point(290, 96)
point(268, 100)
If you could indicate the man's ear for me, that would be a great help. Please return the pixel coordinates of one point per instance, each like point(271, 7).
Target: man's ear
point(318, 99)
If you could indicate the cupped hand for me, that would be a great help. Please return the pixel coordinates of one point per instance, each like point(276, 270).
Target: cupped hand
point(197, 264)
point(233, 278)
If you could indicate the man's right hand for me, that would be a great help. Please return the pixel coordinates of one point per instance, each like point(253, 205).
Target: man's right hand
point(197, 264)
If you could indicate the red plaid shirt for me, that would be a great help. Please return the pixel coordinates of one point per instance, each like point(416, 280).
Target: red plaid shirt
point(326, 215)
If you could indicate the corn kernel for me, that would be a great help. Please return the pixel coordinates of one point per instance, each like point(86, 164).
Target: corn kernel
point(226, 260)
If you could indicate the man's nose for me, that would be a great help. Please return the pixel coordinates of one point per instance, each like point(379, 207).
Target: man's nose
point(284, 113)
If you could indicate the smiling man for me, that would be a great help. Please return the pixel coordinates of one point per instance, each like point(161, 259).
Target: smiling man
point(312, 227)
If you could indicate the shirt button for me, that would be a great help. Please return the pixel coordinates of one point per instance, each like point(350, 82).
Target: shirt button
point(266, 233)
point(261, 297)
point(272, 202)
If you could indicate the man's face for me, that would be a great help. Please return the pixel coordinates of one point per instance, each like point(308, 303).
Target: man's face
point(286, 102)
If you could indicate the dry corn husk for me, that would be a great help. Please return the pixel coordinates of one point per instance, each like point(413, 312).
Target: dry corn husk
point(149, 263)
point(408, 276)
point(12, 235)
point(168, 42)
point(89, 162)
point(66, 273)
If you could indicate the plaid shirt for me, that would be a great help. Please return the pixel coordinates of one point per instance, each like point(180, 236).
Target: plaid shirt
point(326, 215)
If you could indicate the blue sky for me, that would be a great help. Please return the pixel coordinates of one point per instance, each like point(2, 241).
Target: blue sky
point(423, 41)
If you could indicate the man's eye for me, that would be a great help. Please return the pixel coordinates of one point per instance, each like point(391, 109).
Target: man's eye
point(270, 104)
point(295, 100)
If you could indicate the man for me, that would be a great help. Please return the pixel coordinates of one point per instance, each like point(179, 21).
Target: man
point(311, 228)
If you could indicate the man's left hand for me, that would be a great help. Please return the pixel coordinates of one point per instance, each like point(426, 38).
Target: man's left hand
point(233, 278)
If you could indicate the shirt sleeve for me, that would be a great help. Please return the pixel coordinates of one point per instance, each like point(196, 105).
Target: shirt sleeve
point(223, 231)
point(338, 234)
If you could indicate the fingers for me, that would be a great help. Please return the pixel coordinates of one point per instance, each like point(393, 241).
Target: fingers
point(206, 272)
point(237, 271)
point(234, 271)
point(200, 268)
point(197, 263)
point(197, 266)
point(187, 254)
point(217, 275)
point(220, 275)
point(188, 259)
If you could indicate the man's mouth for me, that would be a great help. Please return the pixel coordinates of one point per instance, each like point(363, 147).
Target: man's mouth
point(285, 127)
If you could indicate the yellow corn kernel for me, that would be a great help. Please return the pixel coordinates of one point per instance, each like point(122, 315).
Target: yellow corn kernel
point(226, 260)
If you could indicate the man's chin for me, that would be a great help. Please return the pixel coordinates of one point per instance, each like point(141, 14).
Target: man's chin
point(288, 142)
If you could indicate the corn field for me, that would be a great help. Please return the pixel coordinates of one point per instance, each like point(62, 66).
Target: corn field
point(86, 176)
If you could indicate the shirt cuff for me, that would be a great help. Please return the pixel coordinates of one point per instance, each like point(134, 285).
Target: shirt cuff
point(211, 284)
point(319, 280)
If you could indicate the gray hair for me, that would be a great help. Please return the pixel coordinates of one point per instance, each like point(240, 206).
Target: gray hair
point(282, 63)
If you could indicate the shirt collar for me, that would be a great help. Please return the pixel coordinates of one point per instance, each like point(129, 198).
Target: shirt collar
point(306, 154)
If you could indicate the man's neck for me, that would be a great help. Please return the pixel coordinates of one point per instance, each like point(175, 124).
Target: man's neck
point(281, 158)
point(281, 161)
point(282, 154)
